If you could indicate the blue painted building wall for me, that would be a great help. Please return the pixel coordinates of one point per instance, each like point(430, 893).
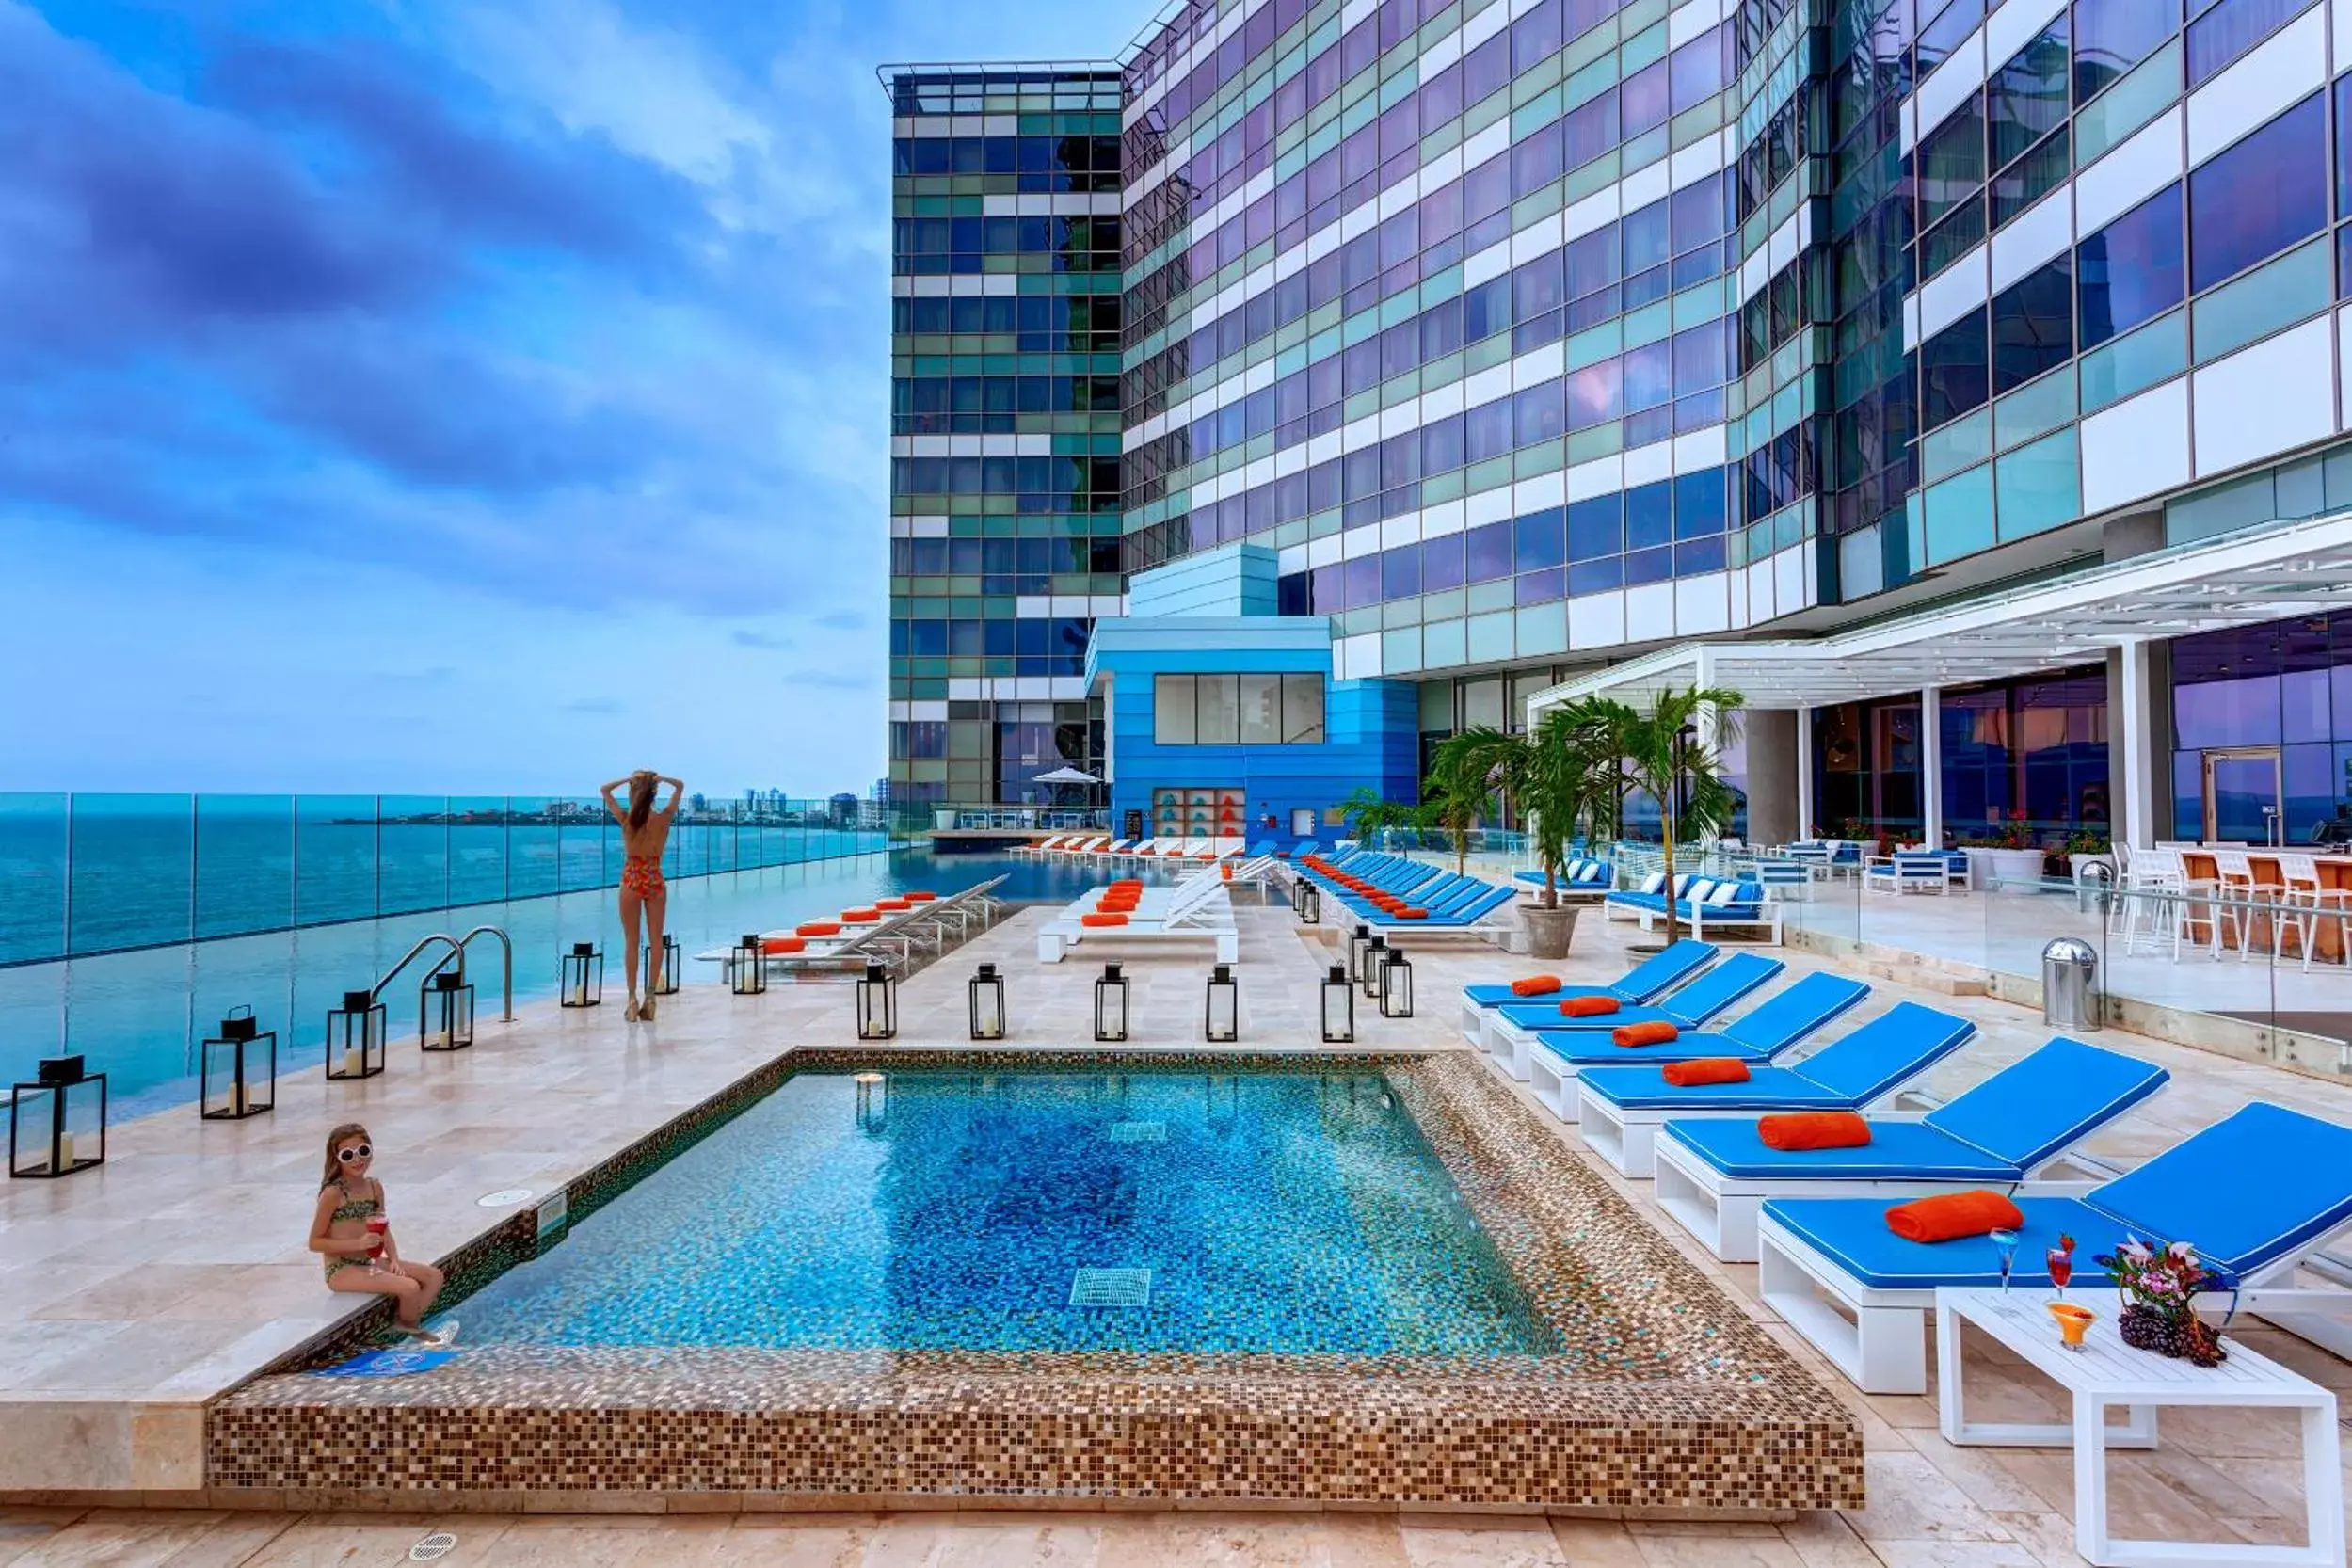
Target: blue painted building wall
point(1210, 615)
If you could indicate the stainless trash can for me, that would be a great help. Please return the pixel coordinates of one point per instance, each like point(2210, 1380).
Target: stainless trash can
point(2070, 983)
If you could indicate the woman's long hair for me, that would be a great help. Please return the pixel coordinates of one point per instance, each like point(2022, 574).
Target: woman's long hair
point(641, 790)
point(343, 1134)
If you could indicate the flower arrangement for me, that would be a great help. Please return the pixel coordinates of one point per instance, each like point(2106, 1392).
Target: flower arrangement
point(2158, 1282)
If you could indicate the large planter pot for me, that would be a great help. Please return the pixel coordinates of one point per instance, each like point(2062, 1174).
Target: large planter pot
point(2019, 871)
point(1549, 930)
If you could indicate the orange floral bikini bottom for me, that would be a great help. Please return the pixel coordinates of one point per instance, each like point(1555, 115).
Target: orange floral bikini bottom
point(641, 877)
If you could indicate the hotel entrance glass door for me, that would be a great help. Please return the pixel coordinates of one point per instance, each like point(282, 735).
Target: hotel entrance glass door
point(2242, 802)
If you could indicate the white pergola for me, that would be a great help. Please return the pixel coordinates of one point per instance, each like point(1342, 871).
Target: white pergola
point(2275, 572)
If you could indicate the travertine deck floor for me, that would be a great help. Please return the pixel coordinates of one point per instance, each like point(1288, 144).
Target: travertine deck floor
point(544, 1099)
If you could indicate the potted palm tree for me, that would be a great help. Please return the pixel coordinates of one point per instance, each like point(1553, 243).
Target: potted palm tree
point(1664, 755)
point(1562, 774)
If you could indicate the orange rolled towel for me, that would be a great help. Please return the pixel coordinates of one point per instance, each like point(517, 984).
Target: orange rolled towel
point(1643, 1034)
point(818, 928)
point(861, 917)
point(1535, 985)
point(891, 904)
point(1949, 1216)
point(1704, 1069)
point(1588, 1007)
point(1102, 920)
point(1409, 913)
point(1814, 1130)
point(774, 945)
point(918, 898)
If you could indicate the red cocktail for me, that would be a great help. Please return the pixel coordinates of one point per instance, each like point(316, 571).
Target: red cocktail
point(2061, 1262)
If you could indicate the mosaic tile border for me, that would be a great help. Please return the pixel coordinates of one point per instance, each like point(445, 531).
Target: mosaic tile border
point(1722, 1419)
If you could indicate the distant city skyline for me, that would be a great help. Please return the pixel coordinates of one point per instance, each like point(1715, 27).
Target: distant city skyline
point(448, 397)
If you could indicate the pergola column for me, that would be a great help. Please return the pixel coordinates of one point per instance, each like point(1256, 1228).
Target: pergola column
point(2136, 720)
point(1805, 824)
point(1931, 766)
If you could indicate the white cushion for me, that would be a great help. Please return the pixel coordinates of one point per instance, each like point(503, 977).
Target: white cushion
point(1723, 893)
point(1653, 882)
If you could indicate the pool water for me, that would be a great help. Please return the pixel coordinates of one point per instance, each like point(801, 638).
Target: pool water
point(1275, 1211)
point(141, 1015)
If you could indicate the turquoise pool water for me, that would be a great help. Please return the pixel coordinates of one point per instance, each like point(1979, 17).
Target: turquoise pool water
point(141, 1015)
point(1279, 1212)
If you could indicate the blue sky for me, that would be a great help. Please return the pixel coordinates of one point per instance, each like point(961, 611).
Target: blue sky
point(442, 394)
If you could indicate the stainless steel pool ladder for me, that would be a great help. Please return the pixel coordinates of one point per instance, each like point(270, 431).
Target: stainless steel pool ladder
point(457, 946)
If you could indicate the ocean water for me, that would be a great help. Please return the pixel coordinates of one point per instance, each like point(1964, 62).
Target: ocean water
point(142, 1014)
point(1296, 1212)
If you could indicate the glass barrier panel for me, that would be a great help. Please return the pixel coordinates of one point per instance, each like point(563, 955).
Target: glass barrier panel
point(530, 848)
point(133, 865)
point(334, 859)
point(477, 849)
point(35, 836)
point(578, 845)
point(244, 864)
point(412, 854)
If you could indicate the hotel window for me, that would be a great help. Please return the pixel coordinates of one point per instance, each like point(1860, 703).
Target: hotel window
point(1247, 709)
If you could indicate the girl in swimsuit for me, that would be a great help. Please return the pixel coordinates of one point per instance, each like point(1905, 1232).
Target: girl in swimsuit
point(363, 1260)
point(645, 833)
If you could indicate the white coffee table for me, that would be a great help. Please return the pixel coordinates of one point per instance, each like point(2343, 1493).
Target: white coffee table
point(2107, 1373)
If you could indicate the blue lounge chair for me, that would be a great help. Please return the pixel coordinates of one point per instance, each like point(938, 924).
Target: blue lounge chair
point(1263, 847)
point(1714, 1173)
point(1645, 982)
point(2255, 1193)
point(1513, 1027)
point(1465, 912)
point(1555, 1062)
point(1620, 1109)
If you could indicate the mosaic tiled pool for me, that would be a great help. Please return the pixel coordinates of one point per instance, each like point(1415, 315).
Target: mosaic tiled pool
point(1371, 1280)
point(1267, 1212)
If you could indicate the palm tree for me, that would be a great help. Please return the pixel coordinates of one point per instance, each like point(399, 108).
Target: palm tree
point(1664, 755)
point(1570, 777)
point(1465, 772)
point(1366, 814)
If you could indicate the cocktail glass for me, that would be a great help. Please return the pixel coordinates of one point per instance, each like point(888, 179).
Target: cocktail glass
point(2061, 1265)
point(2005, 1242)
point(376, 1228)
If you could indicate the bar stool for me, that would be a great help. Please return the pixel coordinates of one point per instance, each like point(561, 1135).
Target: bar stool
point(2233, 889)
point(2305, 901)
point(2158, 882)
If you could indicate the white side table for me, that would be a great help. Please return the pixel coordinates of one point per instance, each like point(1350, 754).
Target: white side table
point(2107, 1373)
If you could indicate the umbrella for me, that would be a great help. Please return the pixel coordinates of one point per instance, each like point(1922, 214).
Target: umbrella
point(1068, 776)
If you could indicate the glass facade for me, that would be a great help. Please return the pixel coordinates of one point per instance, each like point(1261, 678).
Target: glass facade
point(1533, 336)
point(2029, 753)
point(1004, 482)
point(2261, 719)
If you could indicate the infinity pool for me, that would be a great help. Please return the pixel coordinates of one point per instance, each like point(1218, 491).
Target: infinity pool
point(1277, 1212)
point(140, 1016)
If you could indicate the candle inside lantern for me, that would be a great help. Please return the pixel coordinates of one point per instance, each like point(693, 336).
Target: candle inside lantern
point(65, 1149)
point(351, 1061)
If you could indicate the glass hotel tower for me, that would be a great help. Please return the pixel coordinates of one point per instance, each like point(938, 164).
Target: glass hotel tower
point(1535, 334)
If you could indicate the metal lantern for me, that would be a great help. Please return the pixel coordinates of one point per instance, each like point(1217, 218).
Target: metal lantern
point(877, 1004)
point(584, 976)
point(61, 1141)
point(746, 966)
point(1221, 1024)
point(671, 953)
point(1111, 1004)
point(445, 1013)
point(1396, 986)
point(1358, 939)
point(355, 1036)
point(1375, 954)
point(1338, 1007)
point(987, 998)
point(237, 1074)
point(1309, 900)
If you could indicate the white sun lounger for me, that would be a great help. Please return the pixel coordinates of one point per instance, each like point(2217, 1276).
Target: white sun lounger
point(1715, 1175)
point(1191, 911)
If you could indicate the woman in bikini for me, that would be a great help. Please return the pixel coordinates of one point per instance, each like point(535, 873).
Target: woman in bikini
point(645, 833)
point(351, 1229)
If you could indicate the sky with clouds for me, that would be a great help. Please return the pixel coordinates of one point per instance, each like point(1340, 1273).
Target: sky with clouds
point(461, 395)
